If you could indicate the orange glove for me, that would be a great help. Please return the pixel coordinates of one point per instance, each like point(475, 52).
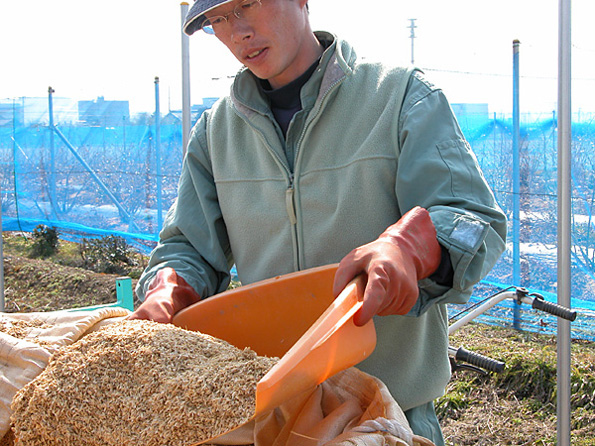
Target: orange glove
point(403, 254)
point(168, 293)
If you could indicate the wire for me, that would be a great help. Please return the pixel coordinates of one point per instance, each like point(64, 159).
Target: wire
point(477, 304)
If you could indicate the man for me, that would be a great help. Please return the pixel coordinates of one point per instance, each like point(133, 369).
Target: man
point(317, 158)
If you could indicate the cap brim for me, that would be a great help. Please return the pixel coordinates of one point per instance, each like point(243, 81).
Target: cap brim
point(195, 17)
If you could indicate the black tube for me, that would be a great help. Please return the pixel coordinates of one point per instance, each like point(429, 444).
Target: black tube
point(492, 365)
point(555, 309)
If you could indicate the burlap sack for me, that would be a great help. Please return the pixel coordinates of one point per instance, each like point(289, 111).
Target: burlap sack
point(350, 408)
point(24, 357)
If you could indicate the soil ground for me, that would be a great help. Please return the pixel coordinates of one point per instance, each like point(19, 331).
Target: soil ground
point(514, 407)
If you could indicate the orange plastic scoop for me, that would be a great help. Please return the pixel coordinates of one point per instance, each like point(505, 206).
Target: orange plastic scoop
point(293, 317)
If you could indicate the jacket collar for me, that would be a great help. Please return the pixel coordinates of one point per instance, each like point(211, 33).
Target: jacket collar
point(336, 62)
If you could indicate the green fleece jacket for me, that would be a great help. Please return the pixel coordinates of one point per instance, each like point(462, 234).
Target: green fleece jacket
point(370, 143)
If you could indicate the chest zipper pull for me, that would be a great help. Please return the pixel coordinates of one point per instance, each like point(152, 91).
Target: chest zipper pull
point(289, 203)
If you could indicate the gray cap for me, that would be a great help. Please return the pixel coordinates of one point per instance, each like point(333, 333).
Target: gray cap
point(196, 15)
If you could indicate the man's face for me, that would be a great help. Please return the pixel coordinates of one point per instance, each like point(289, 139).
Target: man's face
point(275, 44)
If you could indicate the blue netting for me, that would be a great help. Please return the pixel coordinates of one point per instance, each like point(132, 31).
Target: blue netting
point(103, 172)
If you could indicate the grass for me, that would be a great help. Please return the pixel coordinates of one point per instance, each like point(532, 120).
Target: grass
point(56, 282)
point(517, 406)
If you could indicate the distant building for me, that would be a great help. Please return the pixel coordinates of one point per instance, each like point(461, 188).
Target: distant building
point(196, 110)
point(103, 113)
point(174, 117)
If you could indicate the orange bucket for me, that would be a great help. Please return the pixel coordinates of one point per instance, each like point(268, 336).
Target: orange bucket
point(293, 317)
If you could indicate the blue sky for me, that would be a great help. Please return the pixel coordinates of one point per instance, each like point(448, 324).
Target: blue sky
point(115, 48)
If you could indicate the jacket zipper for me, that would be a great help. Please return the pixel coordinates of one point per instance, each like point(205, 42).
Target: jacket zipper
point(289, 197)
point(290, 191)
point(291, 212)
point(289, 201)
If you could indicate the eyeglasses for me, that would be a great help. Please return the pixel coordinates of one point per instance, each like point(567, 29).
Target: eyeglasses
point(246, 10)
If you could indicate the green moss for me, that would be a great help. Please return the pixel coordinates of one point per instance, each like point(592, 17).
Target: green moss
point(452, 403)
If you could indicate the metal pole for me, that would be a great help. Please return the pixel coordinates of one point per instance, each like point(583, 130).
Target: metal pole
point(52, 175)
point(2, 306)
point(516, 180)
point(2, 297)
point(158, 154)
point(564, 220)
point(186, 107)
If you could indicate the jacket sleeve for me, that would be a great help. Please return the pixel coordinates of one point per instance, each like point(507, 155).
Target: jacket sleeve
point(193, 240)
point(438, 171)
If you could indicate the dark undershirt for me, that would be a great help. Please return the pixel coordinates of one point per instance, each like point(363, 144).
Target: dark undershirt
point(286, 101)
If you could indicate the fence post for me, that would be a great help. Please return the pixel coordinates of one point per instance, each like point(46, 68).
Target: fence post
point(563, 383)
point(1, 259)
point(158, 155)
point(516, 181)
point(186, 106)
point(52, 176)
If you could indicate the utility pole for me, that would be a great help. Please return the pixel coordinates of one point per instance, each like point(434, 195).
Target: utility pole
point(412, 36)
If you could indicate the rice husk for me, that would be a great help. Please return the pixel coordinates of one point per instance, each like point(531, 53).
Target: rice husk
point(139, 382)
point(24, 329)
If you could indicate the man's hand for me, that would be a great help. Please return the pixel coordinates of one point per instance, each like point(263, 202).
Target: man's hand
point(168, 293)
point(403, 254)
